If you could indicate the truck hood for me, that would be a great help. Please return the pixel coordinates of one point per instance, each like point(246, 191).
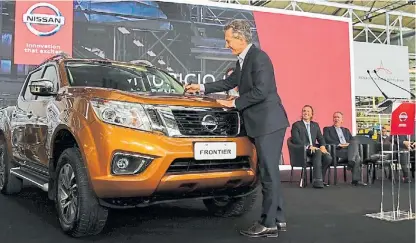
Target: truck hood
point(148, 98)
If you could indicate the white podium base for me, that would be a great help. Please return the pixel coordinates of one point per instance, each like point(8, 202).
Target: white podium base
point(393, 216)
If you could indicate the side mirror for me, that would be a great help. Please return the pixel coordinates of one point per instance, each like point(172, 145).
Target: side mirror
point(42, 87)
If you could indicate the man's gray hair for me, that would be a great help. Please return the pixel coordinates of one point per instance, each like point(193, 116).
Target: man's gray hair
point(241, 29)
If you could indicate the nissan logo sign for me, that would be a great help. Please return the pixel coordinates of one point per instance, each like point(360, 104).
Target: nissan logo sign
point(209, 122)
point(403, 116)
point(53, 19)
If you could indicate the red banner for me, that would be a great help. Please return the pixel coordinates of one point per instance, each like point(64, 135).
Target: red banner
point(42, 29)
point(403, 119)
point(323, 46)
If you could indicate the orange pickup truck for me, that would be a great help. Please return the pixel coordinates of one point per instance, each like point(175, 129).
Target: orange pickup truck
point(98, 134)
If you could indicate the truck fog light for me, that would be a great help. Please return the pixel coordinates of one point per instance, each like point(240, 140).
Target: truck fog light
point(129, 164)
point(122, 163)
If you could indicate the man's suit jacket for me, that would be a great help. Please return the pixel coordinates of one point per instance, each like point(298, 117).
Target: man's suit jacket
point(331, 135)
point(259, 103)
point(300, 134)
point(387, 140)
point(403, 138)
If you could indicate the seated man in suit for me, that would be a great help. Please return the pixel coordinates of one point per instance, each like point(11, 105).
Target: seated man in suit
point(347, 148)
point(306, 132)
point(408, 143)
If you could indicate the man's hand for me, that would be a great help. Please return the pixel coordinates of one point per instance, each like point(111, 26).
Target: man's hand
point(323, 150)
point(312, 148)
point(192, 88)
point(226, 103)
point(344, 145)
point(407, 144)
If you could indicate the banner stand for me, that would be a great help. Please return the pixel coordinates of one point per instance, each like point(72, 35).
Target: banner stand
point(396, 214)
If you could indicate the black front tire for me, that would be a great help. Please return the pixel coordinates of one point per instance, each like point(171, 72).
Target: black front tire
point(231, 207)
point(89, 217)
point(9, 184)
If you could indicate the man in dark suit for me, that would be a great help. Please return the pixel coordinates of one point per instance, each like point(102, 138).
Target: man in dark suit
point(264, 116)
point(347, 147)
point(233, 92)
point(306, 132)
point(408, 142)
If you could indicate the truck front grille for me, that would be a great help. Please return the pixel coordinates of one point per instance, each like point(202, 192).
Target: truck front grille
point(190, 165)
point(207, 123)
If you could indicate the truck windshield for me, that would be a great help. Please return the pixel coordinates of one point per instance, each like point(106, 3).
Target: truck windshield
point(126, 77)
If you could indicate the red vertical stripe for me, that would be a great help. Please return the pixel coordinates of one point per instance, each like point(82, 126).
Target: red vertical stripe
point(311, 59)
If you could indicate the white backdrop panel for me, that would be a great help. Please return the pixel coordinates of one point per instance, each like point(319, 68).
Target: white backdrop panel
point(390, 62)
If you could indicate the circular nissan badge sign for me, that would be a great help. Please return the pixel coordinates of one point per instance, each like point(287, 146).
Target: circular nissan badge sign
point(209, 122)
point(403, 116)
point(43, 19)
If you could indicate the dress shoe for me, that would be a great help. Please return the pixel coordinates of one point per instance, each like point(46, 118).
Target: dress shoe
point(318, 184)
point(258, 230)
point(358, 183)
point(281, 226)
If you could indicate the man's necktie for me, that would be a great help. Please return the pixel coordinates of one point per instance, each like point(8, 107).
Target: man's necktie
point(309, 133)
point(240, 60)
point(343, 141)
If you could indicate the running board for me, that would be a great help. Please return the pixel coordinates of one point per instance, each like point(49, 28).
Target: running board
point(36, 180)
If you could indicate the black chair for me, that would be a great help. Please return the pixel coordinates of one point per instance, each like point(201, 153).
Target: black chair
point(371, 156)
point(299, 158)
point(338, 162)
point(368, 151)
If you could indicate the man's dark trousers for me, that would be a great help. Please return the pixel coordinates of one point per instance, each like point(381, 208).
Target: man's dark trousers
point(269, 151)
point(351, 153)
point(320, 166)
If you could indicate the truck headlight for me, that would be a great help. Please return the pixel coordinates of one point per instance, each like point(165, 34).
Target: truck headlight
point(124, 114)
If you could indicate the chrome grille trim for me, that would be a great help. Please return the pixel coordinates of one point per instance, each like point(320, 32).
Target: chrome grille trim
point(172, 127)
point(190, 165)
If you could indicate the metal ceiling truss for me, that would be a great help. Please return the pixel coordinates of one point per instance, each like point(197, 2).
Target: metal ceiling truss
point(166, 48)
point(338, 5)
point(218, 16)
point(259, 2)
point(387, 31)
point(159, 48)
point(215, 15)
point(212, 48)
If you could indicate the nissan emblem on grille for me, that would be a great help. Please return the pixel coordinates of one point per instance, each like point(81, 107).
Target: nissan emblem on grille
point(209, 122)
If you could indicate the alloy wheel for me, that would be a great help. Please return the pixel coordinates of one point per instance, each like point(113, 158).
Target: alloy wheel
point(67, 194)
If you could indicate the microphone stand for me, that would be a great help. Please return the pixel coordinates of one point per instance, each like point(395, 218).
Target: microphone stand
point(385, 80)
point(387, 101)
point(378, 87)
point(396, 214)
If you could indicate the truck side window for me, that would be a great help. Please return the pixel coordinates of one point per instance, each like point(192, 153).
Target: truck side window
point(50, 74)
point(34, 76)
